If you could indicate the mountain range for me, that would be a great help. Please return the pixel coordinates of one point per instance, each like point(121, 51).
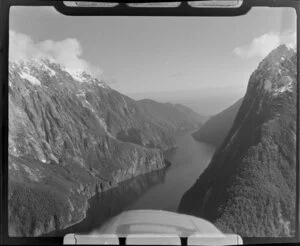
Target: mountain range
point(249, 187)
point(71, 136)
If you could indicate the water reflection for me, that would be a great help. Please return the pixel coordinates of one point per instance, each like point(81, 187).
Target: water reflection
point(107, 204)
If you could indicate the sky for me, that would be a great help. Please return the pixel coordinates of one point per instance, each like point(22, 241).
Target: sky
point(202, 62)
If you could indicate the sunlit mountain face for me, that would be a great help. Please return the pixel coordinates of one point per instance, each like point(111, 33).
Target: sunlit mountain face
point(71, 135)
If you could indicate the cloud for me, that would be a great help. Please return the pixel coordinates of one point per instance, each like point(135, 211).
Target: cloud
point(66, 52)
point(263, 45)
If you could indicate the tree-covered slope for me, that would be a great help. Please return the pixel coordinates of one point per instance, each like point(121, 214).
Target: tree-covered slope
point(250, 185)
point(216, 128)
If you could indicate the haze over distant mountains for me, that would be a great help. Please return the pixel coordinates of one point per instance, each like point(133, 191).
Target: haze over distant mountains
point(249, 187)
point(202, 101)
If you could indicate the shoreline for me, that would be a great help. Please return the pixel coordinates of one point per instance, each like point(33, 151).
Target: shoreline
point(167, 165)
point(91, 205)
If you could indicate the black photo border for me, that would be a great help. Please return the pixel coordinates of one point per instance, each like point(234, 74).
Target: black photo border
point(122, 10)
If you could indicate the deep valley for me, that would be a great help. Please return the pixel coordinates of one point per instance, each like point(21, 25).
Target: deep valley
point(81, 152)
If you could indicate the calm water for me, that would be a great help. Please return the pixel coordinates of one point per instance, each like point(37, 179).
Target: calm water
point(161, 189)
point(188, 161)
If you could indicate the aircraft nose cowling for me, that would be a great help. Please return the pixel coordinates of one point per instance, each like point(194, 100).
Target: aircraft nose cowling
point(156, 227)
point(163, 227)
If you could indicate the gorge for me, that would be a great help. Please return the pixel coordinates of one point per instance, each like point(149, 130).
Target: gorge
point(81, 152)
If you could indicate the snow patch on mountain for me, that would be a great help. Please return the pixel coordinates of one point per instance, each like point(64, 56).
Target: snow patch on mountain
point(286, 88)
point(83, 77)
point(50, 71)
point(103, 124)
point(33, 80)
point(76, 75)
point(39, 64)
point(86, 104)
point(34, 70)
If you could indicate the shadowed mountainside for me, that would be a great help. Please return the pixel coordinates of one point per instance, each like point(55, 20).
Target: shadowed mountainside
point(107, 204)
point(249, 187)
point(216, 128)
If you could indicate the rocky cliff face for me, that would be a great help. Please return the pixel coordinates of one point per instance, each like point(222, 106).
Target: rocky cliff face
point(70, 135)
point(250, 185)
point(215, 129)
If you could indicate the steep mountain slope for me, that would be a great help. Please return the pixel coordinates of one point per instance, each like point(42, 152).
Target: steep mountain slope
point(191, 114)
point(66, 140)
point(105, 205)
point(217, 127)
point(171, 116)
point(250, 185)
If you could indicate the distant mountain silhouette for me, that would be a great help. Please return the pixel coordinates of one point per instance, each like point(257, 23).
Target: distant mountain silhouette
point(172, 116)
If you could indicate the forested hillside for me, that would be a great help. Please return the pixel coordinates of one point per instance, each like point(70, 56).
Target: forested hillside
point(216, 128)
point(249, 187)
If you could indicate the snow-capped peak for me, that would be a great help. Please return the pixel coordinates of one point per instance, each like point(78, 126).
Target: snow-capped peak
point(275, 71)
point(38, 64)
point(84, 77)
point(80, 76)
point(34, 70)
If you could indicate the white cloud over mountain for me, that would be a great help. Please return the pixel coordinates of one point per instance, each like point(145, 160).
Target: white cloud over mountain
point(264, 44)
point(67, 52)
